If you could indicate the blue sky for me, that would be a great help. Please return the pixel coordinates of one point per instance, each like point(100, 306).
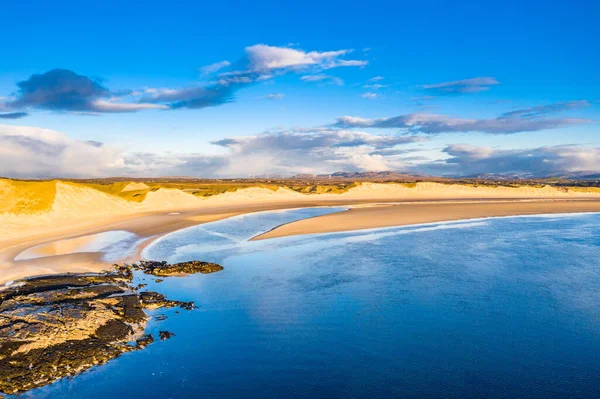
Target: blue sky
point(450, 71)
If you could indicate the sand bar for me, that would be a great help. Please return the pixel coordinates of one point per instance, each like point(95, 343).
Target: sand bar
point(363, 215)
point(416, 213)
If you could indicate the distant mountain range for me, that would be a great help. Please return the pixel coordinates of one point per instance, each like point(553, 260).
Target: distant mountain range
point(406, 175)
point(387, 175)
point(516, 176)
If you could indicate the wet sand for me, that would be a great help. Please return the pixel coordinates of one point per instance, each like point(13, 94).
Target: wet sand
point(148, 226)
point(362, 215)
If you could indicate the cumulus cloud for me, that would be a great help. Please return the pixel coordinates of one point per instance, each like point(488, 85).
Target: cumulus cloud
point(193, 97)
point(115, 107)
point(469, 160)
point(346, 63)
point(58, 89)
point(319, 151)
point(65, 90)
point(473, 85)
point(524, 120)
point(34, 152)
point(27, 152)
point(31, 152)
point(262, 57)
point(286, 141)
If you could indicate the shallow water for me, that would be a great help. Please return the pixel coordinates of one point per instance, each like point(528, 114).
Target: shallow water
point(504, 307)
point(113, 245)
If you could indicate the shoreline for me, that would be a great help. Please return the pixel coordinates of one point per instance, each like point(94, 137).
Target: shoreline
point(361, 215)
point(424, 213)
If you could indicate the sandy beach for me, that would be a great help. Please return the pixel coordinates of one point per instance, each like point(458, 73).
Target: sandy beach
point(78, 213)
point(419, 212)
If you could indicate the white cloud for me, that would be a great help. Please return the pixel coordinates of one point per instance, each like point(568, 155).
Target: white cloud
point(262, 57)
point(110, 106)
point(347, 63)
point(212, 68)
point(525, 120)
point(66, 90)
point(370, 95)
point(316, 151)
point(354, 121)
point(33, 152)
point(565, 160)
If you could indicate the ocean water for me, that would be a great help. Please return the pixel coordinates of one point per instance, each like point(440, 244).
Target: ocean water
point(499, 308)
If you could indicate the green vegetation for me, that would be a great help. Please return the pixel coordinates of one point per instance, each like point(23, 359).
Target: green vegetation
point(119, 189)
point(583, 189)
point(323, 189)
point(210, 188)
point(409, 185)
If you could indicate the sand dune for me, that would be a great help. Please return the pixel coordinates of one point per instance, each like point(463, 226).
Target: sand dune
point(133, 186)
point(34, 213)
point(76, 203)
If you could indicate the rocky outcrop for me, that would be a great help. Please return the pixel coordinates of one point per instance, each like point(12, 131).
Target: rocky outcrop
point(57, 326)
point(164, 269)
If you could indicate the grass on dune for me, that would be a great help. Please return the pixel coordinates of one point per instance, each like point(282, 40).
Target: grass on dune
point(584, 189)
point(209, 189)
point(26, 197)
point(323, 189)
point(408, 185)
point(214, 188)
point(119, 189)
point(29, 197)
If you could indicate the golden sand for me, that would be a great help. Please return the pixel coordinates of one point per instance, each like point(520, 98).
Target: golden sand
point(35, 213)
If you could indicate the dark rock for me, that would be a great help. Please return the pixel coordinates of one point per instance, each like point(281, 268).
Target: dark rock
point(153, 300)
point(165, 269)
point(22, 371)
point(165, 335)
point(57, 326)
point(144, 341)
point(113, 330)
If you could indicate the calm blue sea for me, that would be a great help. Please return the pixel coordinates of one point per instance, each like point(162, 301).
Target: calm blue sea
point(497, 308)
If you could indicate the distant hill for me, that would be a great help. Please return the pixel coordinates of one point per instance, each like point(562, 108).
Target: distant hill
point(381, 176)
point(502, 176)
point(547, 177)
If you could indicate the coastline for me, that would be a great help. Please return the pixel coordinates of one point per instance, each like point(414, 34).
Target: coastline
point(361, 215)
point(415, 213)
